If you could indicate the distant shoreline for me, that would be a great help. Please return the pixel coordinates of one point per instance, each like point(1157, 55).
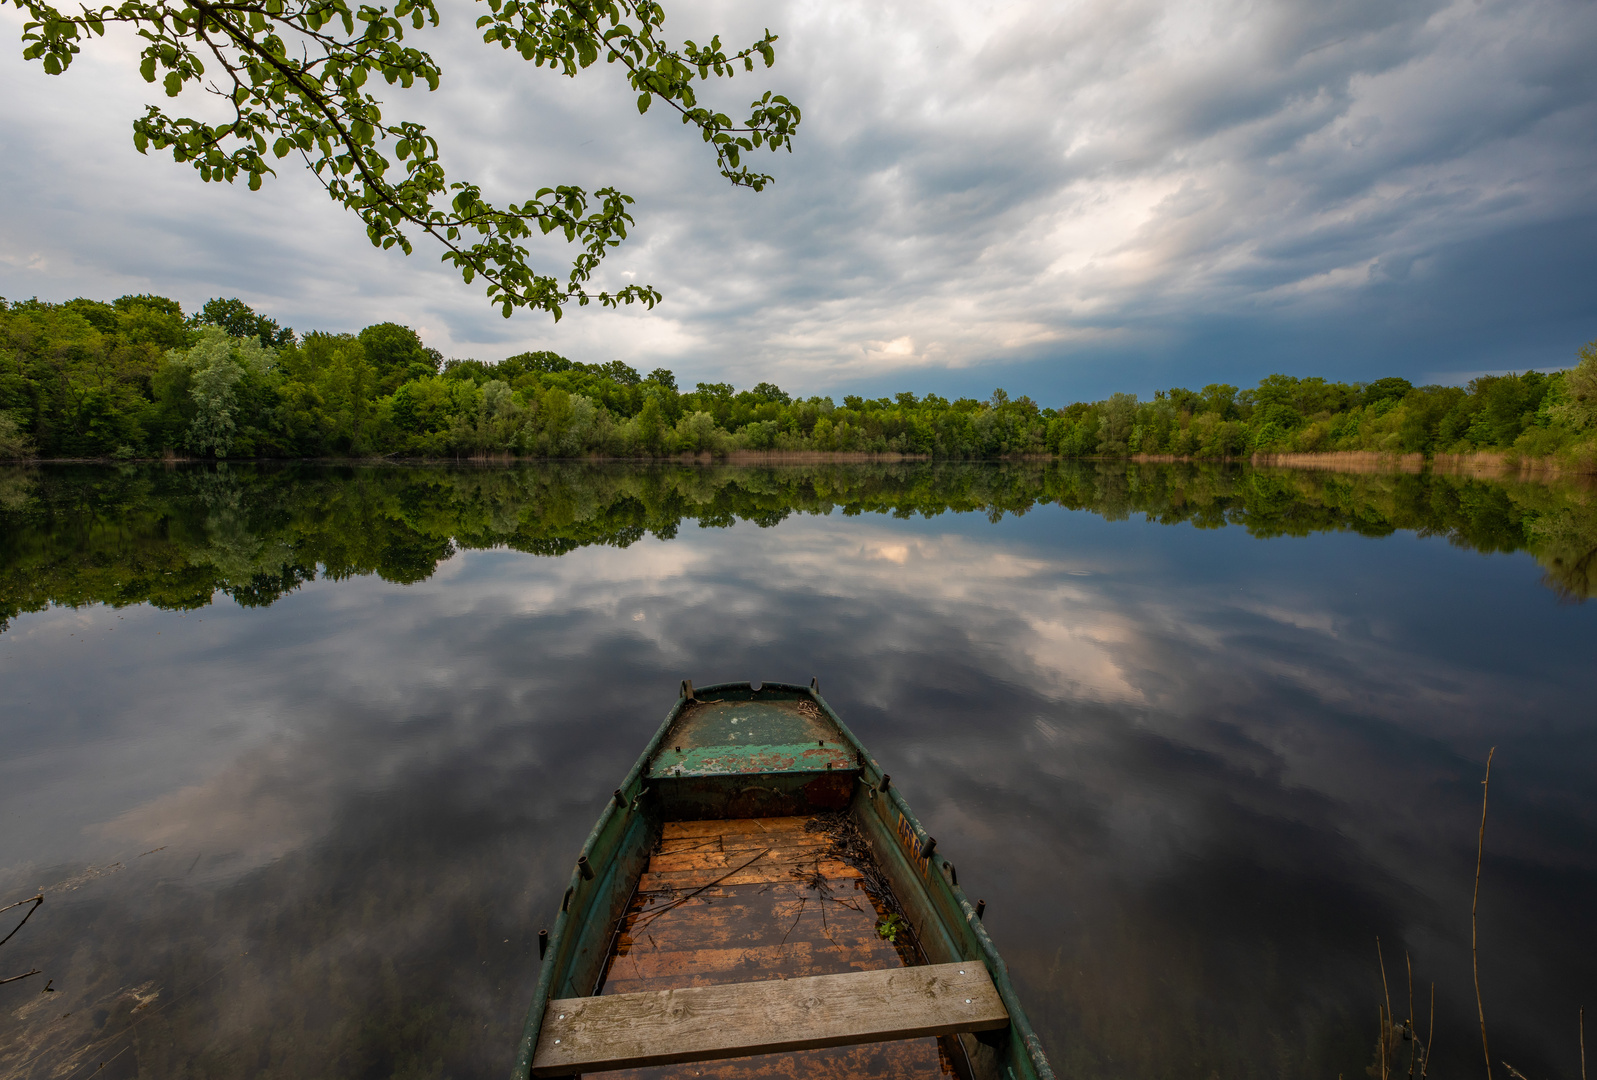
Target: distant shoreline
point(1482, 463)
point(1486, 464)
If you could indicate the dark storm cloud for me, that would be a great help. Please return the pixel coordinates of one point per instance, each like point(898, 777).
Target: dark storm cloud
point(1069, 198)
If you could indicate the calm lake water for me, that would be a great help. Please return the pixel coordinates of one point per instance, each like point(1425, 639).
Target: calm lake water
point(300, 757)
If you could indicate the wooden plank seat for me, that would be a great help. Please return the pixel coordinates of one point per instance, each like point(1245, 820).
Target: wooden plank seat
point(728, 1020)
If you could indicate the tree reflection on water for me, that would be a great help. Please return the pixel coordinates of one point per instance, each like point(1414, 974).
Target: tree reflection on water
point(1194, 771)
point(174, 537)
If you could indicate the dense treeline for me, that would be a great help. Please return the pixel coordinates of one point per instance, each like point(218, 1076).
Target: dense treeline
point(138, 378)
point(177, 536)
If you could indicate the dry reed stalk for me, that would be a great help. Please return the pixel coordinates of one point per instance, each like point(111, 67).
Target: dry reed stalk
point(1380, 1040)
point(1480, 848)
point(1414, 1043)
point(35, 901)
point(1430, 1034)
point(1386, 1017)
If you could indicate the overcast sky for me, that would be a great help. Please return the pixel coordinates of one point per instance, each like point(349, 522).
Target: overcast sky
point(1063, 199)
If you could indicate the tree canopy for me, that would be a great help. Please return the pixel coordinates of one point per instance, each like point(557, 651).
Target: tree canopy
point(296, 76)
point(135, 378)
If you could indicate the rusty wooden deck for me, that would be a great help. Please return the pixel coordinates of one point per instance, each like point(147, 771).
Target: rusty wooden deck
point(752, 899)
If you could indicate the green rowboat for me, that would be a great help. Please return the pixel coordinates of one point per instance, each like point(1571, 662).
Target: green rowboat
point(757, 899)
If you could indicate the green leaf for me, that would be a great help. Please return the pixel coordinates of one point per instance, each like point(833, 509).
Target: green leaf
point(316, 103)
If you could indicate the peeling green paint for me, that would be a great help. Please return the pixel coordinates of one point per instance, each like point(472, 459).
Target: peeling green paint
point(757, 758)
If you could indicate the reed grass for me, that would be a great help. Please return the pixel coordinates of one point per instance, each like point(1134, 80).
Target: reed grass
point(1480, 849)
point(1392, 1032)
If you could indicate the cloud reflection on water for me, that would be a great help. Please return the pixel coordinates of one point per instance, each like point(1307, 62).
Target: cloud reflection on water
point(1194, 781)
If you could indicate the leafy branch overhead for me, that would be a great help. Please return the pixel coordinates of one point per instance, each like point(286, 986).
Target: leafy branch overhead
point(295, 76)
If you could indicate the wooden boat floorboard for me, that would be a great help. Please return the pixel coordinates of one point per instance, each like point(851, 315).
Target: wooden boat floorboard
point(750, 842)
point(756, 869)
point(791, 913)
point(778, 860)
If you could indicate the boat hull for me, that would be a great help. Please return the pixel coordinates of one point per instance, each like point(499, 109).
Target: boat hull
point(737, 751)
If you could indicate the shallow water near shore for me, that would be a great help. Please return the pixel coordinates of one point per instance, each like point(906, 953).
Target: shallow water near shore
point(300, 757)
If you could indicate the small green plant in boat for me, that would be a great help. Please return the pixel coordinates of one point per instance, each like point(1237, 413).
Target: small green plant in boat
point(890, 926)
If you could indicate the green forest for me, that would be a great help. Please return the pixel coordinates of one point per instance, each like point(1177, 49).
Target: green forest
point(137, 378)
point(178, 536)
